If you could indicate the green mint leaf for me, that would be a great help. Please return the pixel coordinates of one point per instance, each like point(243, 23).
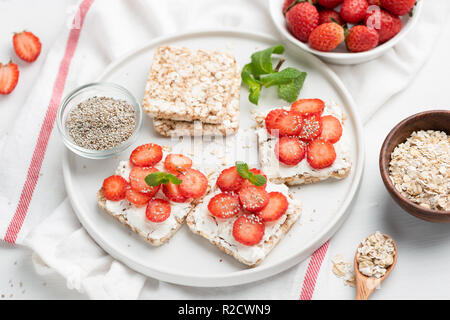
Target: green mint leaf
point(158, 178)
point(258, 180)
point(285, 76)
point(173, 179)
point(262, 61)
point(254, 87)
point(243, 170)
point(290, 91)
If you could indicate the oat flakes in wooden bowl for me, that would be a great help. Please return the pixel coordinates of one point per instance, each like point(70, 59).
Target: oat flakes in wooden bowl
point(415, 165)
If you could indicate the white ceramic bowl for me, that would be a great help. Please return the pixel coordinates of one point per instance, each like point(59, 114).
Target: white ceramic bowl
point(341, 55)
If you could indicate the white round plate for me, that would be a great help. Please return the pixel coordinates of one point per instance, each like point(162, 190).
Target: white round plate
point(341, 55)
point(187, 258)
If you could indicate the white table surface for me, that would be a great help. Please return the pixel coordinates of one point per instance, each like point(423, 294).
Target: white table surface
point(429, 90)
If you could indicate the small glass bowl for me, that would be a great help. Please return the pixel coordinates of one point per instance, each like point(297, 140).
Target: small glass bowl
point(90, 90)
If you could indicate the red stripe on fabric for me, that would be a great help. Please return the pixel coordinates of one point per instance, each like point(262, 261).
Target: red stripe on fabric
point(312, 272)
point(47, 126)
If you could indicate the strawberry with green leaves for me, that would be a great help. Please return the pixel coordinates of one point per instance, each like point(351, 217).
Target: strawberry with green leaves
point(327, 37)
point(398, 7)
point(354, 11)
point(302, 19)
point(361, 38)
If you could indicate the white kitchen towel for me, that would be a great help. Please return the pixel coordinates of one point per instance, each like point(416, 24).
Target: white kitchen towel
point(31, 185)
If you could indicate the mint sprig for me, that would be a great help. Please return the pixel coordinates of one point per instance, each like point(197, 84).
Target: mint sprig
point(158, 178)
point(255, 179)
point(260, 73)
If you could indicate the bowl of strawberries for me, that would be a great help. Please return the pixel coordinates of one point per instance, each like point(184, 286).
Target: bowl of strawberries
point(345, 31)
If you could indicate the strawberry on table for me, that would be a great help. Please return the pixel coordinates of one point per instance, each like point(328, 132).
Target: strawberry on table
point(302, 19)
point(353, 11)
point(312, 127)
point(326, 37)
point(224, 205)
point(27, 46)
point(137, 198)
point(229, 180)
point(277, 206)
point(9, 76)
point(386, 24)
point(146, 155)
point(115, 188)
point(177, 163)
point(158, 210)
point(173, 193)
point(330, 4)
point(137, 180)
point(290, 150)
point(306, 106)
point(289, 123)
point(271, 121)
point(253, 199)
point(361, 38)
point(194, 183)
point(331, 129)
point(398, 7)
point(320, 154)
point(248, 229)
point(329, 15)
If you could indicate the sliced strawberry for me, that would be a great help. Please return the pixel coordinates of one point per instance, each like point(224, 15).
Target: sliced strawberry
point(248, 183)
point(248, 229)
point(224, 205)
point(320, 154)
point(27, 46)
point(229, 180)
point(194, 183)
point(306, 106)
point(290, 150)
point(331, 129)
point(289, 123)
point(137, 198)
point(271, 121)
point(137, 180)
point(276, 207)
point(9, 76)
point(158, 210)
point(172, 192)
point(146, 155)
point(312, 127)
point(115, 188)
point(177, 163)
point(253, 199)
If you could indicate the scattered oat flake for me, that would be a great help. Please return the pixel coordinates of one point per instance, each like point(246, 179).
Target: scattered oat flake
point(344, 270)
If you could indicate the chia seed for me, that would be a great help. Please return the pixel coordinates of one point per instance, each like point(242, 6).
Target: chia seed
point(101, 123)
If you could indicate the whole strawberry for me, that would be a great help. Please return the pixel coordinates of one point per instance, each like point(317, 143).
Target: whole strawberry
point(361, 38)
point(398, 7)
point(386, 24)
point(353, 11)
point(330, 4)
point(326, 37)
point(9, 76)
point(328, 15)
point(302, 19)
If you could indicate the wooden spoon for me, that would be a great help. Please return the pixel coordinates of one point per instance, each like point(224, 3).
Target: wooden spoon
point(365, 285)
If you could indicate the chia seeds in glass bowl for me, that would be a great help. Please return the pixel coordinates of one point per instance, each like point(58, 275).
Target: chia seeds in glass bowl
point(99, 120)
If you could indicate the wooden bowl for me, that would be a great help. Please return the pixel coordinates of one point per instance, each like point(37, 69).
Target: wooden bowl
point(428, 120)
